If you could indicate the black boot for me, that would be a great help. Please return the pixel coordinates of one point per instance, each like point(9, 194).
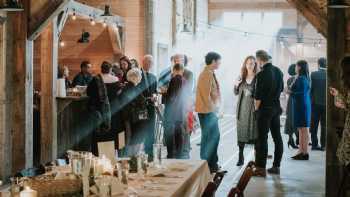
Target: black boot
point(240, 154)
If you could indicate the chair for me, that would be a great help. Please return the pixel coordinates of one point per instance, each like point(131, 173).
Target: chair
point(238, 191)
point(214, 184)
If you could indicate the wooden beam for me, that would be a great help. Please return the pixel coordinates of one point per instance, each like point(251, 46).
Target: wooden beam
point(53, 9)
point(249, 6)
point(5, 119)
point(115, 40)
point(313, 13)
point(86, 11)
point(48, 113)
point(22, 127)
point(336, 50)
point(43, 18)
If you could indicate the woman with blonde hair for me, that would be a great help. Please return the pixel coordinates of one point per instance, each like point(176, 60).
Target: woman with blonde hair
point(243, 88)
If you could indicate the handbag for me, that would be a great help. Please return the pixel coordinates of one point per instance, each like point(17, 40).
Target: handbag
point(139, 111)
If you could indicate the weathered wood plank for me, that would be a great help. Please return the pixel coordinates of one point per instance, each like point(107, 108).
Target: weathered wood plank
point(16, 60)
point(5, 135)
point(335, 117)
point(249, 6)
point(313, 13)
point(46, 101)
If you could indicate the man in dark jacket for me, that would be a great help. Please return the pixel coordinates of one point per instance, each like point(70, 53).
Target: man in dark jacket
point(84, 77)
point(318, 95)
point(269, 85)
point(148, 86)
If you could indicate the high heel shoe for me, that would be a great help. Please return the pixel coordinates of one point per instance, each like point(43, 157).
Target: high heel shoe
point(292, 144)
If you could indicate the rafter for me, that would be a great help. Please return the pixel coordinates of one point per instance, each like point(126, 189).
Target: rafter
point(313, 13)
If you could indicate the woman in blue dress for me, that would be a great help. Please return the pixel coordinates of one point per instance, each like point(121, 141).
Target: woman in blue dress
point(300, 92)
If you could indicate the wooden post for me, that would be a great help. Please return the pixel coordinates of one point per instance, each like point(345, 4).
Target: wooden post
point(5, 119)
point(48, 114)
point(149, 26)
point(20, 97)
point(336, 39)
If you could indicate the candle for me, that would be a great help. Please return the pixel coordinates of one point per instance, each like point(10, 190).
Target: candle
point(28, 192)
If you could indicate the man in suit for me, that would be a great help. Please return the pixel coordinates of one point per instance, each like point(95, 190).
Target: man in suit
point(318, 96)
point(148, 85)
point(268, 88)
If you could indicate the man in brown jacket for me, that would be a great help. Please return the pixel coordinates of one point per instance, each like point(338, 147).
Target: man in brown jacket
point(207, 106)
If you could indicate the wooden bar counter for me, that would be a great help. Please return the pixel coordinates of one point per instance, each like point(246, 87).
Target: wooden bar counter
point(74, 131)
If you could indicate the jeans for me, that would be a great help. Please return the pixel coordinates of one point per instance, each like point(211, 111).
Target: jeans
point(210, 138)
point(268, 119)
point(318, 115)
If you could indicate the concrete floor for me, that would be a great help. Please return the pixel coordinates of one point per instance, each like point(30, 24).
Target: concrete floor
point(298, 178)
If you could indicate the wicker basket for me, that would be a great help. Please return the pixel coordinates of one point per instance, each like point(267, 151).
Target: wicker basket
point(48, 186)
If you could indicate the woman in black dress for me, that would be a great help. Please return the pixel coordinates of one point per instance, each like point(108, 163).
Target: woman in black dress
point(289, 127)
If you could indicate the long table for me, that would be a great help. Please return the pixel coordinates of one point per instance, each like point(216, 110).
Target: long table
point(183, 178)
point(178, 178)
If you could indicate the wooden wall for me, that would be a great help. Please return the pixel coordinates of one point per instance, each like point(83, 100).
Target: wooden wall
point(133, 13)
point(96, 51)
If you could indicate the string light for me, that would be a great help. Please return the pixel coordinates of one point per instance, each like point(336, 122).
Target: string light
point(92, 21)
point(62, 43)
point(74, 17)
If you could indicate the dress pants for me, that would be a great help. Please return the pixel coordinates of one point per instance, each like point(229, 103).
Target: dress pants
point(318, 115)
point(149, 131)
point(268, 119)
point(210, 138)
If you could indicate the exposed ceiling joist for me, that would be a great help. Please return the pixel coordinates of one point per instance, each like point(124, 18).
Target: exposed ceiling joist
point(249, 6)
point(313, 13)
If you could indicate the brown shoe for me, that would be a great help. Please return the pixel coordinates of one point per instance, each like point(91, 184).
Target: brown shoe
point(259, 172)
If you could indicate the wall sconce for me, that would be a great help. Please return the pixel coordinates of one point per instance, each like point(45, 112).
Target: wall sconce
point(84, 37)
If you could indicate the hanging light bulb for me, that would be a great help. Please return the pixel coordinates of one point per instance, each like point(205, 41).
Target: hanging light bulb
point(92, 21)
point(104, 23)
point(62, 43)
point(74, 16)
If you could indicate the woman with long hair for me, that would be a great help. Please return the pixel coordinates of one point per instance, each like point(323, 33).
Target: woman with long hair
point(289, 127)
point(300, 92)
point(246, 126)
point(342, 100)
point(125, 66)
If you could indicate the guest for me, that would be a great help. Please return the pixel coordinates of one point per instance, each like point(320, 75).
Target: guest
point(207, 104)
point(63, 73)
point(175, 114)
point(84, 77)
point(98, 101)
point(134, 108)
point(289, 127)
point(134, 63)
point(318, 98)
point(342, 100)
point(246, 126)
point(300, 92)
point(117, 71)
point(268, 88)
point(189, 95)
point(148, 87)
point(113, 88)
point(125, 65)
